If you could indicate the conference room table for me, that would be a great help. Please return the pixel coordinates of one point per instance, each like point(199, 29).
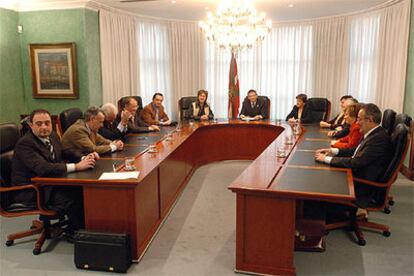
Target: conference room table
point(282, 174)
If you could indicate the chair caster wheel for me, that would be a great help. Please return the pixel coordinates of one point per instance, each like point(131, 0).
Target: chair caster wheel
point(362, 242)
point(386, 233)
point(36, 251)
point(391, 202)
point(387, 210)
point(9, 242)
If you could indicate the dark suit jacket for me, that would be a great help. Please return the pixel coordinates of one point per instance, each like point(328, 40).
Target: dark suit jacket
point(110, 131)
point(135, 126)
point(306, 113)
point(258, 109)
point(32, 158)
point(370, 162)
point(339, 120)
point(346, 128)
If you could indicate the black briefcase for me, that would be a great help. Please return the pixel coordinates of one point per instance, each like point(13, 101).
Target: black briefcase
point(102, 251)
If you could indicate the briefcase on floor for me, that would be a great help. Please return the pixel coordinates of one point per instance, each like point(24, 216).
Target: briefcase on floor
point(102, 251)
point(310, 235)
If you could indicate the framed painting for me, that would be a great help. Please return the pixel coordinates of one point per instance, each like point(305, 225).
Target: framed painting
point(54, 73)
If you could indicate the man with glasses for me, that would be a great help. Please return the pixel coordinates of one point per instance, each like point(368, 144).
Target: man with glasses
point(369, 159)
point(39, 154)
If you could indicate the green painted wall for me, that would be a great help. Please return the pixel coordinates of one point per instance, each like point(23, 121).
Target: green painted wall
point(58, 26)
point(409, 88)
point(12, 101)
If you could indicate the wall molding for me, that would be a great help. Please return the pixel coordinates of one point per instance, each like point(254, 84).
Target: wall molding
point(40, 5)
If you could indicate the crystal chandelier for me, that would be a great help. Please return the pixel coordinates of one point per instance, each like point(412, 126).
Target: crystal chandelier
point(236, 25)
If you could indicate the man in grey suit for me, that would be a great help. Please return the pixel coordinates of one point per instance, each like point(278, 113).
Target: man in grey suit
point(369, 160)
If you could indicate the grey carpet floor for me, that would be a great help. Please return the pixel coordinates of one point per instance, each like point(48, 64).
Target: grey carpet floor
point(198, 238)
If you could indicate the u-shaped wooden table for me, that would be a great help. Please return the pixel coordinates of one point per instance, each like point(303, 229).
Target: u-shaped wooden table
point(267, 190)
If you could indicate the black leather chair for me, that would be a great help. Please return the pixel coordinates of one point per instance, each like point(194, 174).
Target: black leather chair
point(184, 106)
point(266, 100)
point(69, 117)
point(9, 135)
point(388, 120)
point(400, 140)
point(25, 127)
point(321, 108)
point(402, 119)
point(122, 102)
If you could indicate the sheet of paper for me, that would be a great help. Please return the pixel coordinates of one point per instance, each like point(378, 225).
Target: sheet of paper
point(119, 175)
point(249, 119)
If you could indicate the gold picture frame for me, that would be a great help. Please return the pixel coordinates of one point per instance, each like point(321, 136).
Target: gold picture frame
point(54, 72)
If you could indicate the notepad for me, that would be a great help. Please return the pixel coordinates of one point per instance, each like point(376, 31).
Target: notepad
point(119, 175)
point(249, 119)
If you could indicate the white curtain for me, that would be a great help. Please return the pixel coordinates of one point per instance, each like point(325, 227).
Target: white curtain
point(331, 58)
point(360, 54)
point(392, 56)
point(154, 61)
point(187, 46)
point(118, 55)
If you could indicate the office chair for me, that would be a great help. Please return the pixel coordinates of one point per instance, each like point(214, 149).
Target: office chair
point(399, 119)
point(400, 140)
point(69, 117)
point(122, 102)
point(321, 109)
point(184, 106)
point(388, 120)
point(9, 135)
point(266, 101)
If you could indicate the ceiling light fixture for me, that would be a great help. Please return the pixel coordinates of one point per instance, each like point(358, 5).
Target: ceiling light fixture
point(236, 25)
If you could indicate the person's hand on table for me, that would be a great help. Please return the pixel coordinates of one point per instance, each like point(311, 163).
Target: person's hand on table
point(154, 128)
point(118, 144)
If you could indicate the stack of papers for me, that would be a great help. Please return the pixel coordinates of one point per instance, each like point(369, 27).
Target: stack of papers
point(119, 175)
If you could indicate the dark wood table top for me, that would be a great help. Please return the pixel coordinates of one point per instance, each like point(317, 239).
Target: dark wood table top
point(267, 173)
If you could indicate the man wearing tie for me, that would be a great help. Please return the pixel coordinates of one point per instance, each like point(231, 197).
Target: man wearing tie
point(369, 160)
point(39, 154)
point(134, 122)
point(253, 107)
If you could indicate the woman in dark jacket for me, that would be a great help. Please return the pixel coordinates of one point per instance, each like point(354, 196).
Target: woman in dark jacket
point(200, 109)
point(302, 111)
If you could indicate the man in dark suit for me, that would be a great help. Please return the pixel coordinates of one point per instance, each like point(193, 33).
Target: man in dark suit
point(39, 153)
point(253, 107)
point(113, 129)
point(135, 123)
point(369, 160)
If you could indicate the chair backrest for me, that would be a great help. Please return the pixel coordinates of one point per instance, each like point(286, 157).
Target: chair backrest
point(388, 120)
point(321, 109)
point(266, 101)
point(122, 102)
point(184, 106)
point(402, 119)
point(9, 135)
point(25, 125)
point(400, 140)
point(69, 117)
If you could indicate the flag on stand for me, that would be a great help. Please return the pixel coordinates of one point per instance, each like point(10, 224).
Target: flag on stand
point(234, 95)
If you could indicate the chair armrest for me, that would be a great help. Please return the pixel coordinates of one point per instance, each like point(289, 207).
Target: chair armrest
point(43, 210)
point(371, 183)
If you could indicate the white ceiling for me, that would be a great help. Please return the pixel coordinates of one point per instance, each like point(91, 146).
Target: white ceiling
point(194, 10)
